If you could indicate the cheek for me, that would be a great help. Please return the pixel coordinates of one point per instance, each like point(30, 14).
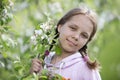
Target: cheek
point(61, 37)
point(82, 43)
point(64, 33)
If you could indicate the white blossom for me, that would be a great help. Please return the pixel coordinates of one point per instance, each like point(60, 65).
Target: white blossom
point(4, 37)
point(44, 36)
point(12, 42)
point(46, 26)
point(38, 15)
point(55, 7)
point(29, 32)
point(33, 40)
point(2, 64)
point(17, 59)
point(38, 32)
point(5, 11)
point(9, 41)
point(1, 46)
point(23, 48)
point(11, 3)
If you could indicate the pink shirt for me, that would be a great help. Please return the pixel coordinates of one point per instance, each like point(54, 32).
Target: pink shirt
point(73, 67)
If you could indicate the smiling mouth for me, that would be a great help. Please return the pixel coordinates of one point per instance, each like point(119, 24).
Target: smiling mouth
point(71, 43)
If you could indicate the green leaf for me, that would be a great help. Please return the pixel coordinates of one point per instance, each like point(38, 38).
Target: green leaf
point(43, 77)
point(58, 77)
point(5, 55)
point(57, 49)
point(44, 71)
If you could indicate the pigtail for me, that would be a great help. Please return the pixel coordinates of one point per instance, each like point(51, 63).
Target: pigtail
point(90, 64)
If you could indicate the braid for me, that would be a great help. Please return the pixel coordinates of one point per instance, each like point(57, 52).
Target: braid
point(90, 64)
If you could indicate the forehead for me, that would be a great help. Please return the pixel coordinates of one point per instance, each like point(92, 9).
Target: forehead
point(81, 21)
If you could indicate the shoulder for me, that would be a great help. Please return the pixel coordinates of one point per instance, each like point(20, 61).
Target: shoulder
point(90, 74)
point(93, 75)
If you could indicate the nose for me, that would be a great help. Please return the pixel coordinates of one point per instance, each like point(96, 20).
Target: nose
point(76, 37)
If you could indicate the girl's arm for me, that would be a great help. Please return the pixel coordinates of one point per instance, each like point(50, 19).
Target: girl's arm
point(92, 75)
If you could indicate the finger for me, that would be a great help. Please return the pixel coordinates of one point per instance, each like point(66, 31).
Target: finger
point(36, 68)
point(36, 60)
point(36, 65)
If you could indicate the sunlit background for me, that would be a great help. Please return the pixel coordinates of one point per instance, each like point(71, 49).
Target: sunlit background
point(18, 19)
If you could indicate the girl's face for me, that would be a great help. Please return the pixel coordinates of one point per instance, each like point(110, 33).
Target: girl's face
point(75, 33)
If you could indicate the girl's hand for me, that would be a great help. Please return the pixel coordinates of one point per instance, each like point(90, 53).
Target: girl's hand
point(36, 66)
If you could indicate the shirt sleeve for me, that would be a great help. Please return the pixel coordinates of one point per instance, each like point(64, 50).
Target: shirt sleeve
point(92, 75)
point(89, 74)
point(96, 75)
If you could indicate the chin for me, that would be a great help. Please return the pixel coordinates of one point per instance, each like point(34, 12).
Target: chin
point(70, 51)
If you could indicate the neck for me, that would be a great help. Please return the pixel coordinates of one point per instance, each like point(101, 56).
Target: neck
point(65, 54)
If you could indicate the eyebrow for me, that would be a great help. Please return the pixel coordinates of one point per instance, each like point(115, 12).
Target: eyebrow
point(72, 24)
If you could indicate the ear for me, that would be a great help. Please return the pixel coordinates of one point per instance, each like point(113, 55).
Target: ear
point(59, 27)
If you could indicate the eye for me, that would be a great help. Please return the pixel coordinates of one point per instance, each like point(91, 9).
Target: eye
point(73, 28)
point(85, 35)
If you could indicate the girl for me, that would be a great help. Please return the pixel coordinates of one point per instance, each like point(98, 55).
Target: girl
point(75, 30)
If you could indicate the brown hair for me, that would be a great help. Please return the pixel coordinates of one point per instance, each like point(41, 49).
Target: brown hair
point(92, 16)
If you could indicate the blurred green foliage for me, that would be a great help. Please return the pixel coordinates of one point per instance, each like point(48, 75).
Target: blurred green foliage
point(19, 19)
